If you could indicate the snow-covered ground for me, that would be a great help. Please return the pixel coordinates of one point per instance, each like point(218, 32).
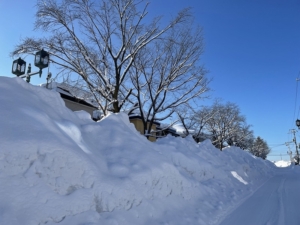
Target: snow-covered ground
point(282, 163)
point(60, 167)
point(275, 203)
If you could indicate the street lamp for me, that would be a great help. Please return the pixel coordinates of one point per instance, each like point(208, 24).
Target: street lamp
point(18, 67)
point(298, 123)
point(41, 61)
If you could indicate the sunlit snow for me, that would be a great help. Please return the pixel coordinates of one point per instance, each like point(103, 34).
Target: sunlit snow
point(60, 167)
point(238, 177)
point(282, 163)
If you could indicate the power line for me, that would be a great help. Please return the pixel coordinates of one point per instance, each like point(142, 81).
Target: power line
point(276, 146)
point(278, 155)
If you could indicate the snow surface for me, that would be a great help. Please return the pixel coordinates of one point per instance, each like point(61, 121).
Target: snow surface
point(60, 167)
point(282, 163)
point(275, 203)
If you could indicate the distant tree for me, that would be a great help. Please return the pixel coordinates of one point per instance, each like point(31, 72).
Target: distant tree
point(222, 123)
point(201, 118)
point(186, 119)
point(97, 44)
point(194, 122)
point(242, 138)
point(226, 125)
point(260, 148)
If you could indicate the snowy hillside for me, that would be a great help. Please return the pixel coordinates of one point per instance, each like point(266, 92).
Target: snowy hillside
point(60, 167)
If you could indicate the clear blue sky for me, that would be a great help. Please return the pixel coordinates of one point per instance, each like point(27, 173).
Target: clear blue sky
point(252, 50)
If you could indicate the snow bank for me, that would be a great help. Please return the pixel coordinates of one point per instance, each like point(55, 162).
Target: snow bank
point(57, 166)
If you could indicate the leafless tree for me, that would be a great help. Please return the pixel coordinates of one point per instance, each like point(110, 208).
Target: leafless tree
point(201, 118)
point(242, 138)
point(225, 124)
point(186, 117)
point(167, 75)
point(99, 41)
point(194, 122)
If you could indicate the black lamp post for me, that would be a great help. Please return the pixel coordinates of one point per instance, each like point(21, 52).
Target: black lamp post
point(41, 61)
point(298, 123)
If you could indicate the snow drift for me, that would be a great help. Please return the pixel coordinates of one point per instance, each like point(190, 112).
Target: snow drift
point(60, 167)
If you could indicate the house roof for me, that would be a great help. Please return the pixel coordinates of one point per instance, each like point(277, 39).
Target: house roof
point(74, 99)
point(65, 92)
point(136, 116)
point(181, 130)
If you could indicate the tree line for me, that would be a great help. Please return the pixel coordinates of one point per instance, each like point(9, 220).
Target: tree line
point(224, 125)
point(127, 61)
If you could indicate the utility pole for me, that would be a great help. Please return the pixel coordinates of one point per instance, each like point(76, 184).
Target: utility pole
point(289, 152)
point(295, 141)
point(291, 155)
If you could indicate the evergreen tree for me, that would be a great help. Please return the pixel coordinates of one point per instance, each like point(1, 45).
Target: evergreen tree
point(260, 148)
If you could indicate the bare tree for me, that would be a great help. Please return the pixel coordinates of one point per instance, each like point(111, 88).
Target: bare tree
point(242, 138)
point(194, 122)
point(225, 124)
point(99, 41)
point(201, 118)
point(186, 118)
point(167, 75)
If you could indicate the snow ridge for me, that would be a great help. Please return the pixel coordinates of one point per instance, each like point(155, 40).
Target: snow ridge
point(72, 170)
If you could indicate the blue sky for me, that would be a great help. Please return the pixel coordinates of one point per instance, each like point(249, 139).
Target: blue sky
point(252, 50)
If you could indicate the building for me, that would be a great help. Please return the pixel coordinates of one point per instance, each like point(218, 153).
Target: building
point(71, 101)
point(139, 126)
point(71, 97)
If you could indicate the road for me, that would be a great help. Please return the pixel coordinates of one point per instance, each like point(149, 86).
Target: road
point(277, 202)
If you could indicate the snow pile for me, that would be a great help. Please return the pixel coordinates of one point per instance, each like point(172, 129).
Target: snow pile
point(282, 163)
point(60, 167)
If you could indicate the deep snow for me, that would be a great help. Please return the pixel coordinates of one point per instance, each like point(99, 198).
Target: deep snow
point(60, 167)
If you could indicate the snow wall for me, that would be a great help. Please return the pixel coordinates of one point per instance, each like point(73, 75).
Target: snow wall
point(60, 167)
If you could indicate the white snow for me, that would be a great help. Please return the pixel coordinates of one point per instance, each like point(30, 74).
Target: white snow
point(60, 167)
point(238, 177)
point(181, 130)
point(274, 203)
point(282, 163)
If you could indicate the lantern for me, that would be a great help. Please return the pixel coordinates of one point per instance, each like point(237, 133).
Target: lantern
point(41, 59)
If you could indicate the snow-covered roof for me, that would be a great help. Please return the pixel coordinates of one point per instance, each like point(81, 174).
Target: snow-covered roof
point(181, 130)
point(74, 93)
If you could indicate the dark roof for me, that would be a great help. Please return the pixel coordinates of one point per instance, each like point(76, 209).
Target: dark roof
point(74, 99)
